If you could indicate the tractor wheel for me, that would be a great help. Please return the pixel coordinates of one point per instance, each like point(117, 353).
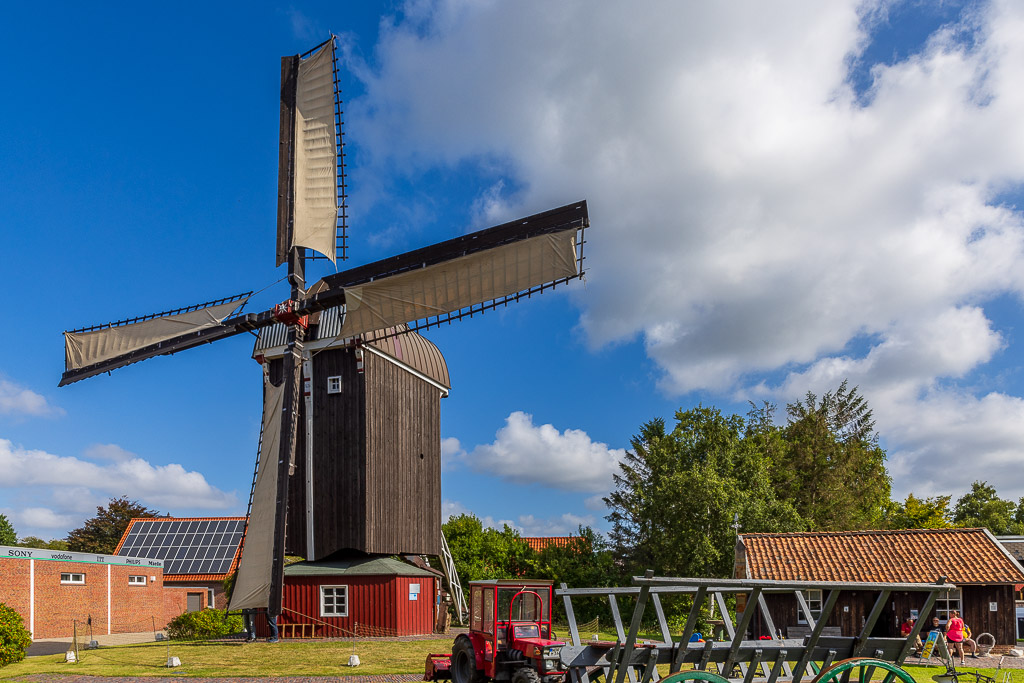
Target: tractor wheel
point(695, 675)
point(464, 662)
point(525, 674)
point(862, 670)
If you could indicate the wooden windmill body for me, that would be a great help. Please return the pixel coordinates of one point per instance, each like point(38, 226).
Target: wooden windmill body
point(350, 444)
point(368, 455)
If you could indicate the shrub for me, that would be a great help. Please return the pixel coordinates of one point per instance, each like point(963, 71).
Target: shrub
point(207, 623)
point(14, 637)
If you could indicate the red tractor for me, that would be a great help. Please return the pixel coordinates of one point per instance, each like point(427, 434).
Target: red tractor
point(509, 636)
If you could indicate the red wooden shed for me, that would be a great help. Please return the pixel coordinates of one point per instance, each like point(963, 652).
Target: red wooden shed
point(345, 596)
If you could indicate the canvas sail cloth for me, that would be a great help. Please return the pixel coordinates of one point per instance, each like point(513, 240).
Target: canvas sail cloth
point(458, 283)
point(252, 584)
point(82, 349)
point(316, 191)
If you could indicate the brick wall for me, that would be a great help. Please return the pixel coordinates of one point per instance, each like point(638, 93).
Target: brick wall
point(133, 608)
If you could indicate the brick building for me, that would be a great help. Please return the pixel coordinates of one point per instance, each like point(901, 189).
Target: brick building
point(52, 589)
point(197, 554)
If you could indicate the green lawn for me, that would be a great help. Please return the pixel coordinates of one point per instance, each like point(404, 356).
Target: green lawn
point(311, 658)
point(296, 658)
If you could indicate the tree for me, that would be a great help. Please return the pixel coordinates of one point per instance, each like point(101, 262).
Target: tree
point(918, 513)
point(7, 533)
point(677, 493)
point(36, 542)
point(584, 562)
point(833, 470)
point(101, 533)
point(14, 637)
point(481, 553)
point(981, 507)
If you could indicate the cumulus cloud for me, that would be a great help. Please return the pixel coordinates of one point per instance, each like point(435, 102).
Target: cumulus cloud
point(753, 212)
point(450, 508)
point(563, 525)
point(108, 451)
point(45, 518)
point(164, 486)
point(451, 452)
point(524, 453)
point(17, 400)
point(527, 525)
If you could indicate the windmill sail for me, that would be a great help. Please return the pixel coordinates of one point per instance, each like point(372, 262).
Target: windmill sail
point(252, 585)
point(83, 348)
point(308, 129)
point(461, 282)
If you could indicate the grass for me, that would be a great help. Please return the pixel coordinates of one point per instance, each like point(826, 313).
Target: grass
point(260, 659)
point(297, 658)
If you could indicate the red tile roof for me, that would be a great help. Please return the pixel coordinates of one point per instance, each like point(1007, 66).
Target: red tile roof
point(538, 543)
point(963, 556)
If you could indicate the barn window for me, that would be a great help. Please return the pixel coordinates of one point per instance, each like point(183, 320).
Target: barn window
point(136, 580)
point(334, 384)
point(946, 603)
point(813, 598)
point(334, 601)
point(72, 579)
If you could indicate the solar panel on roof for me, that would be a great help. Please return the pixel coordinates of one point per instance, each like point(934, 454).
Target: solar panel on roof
point(200, 546)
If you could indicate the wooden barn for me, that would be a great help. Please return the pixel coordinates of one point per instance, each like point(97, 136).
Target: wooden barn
point(972, 559)
point(368, 460)
point(368, 596)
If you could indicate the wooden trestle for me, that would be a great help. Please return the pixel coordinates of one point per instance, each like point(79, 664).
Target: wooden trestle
point(790, 659)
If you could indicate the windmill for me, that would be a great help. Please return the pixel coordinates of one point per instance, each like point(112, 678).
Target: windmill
point(370, 311)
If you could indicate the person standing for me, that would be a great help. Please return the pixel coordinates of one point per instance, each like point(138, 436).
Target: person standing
point(955, 633)
point(249, 620)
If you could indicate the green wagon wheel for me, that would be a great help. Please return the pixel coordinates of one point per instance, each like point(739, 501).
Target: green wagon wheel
point(696, 675)
point(862, 669)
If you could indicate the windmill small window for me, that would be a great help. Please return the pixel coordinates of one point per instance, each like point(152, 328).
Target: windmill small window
point(334, 384)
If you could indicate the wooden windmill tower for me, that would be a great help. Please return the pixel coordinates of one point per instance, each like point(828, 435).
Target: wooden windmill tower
point(350, 445)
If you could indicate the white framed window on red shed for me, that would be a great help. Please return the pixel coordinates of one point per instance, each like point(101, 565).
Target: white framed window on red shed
point(72, 579)
point(136, 580)
point(334, 601)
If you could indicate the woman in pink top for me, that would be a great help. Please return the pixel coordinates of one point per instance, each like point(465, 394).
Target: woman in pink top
point(955, 633)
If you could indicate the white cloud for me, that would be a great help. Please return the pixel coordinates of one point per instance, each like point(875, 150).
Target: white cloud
point(524, 453)
point(17, 400)
point(527, 525)
point(451, 508)
point(751, 213)
point(451, 452)
point(595, 503)
point(565, 524)
point(108, 451)
point(44, 518)
point(166, 487)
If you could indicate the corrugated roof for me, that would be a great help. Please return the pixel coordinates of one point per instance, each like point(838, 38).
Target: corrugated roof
point(963, 556)
point(416, 351)
point(362, 566)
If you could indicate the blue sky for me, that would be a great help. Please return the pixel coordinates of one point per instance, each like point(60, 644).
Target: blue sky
point(782, 195)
